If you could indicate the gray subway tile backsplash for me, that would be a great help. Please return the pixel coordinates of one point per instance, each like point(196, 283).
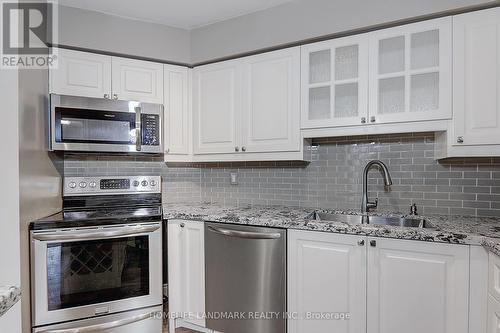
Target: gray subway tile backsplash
point(464, 186)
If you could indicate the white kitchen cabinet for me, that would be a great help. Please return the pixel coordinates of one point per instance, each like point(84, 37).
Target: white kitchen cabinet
point(416, 287)
point(493, 325)
point(137, 80)
point(411, 72)
point(476, 50)
point(335, 82)
point(81, 74)
point(271, 102)
point(186, 272)
point(248, 106)
point(177, 112)
point(326, 274)
point(216, 107)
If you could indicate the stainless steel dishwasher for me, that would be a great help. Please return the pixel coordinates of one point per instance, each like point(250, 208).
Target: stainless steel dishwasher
point(245, 277)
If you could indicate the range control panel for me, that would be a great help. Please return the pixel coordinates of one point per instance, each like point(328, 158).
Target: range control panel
point(73, 186)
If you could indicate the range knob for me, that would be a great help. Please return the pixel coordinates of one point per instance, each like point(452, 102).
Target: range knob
point(92, 184)
point(135, 183)
point(72, 185)
point(152, 183)
point(144, 183)
point(83, 184)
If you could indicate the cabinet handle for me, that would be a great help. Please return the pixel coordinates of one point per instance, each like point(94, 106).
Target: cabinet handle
point(460, 139)
point(243, 148)
point(372, 119)
point(373, 243)
point(167, 150)
point(363, 120)
point(361, 242)
point(115, 96)
point(182, 225)
point(106, 96)
point(236, 148)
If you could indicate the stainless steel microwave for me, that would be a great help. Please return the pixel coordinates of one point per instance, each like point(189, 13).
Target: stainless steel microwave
point(101, 125)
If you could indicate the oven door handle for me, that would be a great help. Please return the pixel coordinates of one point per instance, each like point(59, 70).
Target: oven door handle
point(95, 235)
point(138, 129)
point(104, 326)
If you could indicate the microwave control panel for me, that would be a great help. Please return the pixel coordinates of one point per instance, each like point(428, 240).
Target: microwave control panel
point(150, 129)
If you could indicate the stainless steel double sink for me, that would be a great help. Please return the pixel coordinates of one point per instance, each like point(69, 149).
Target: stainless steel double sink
point(409, 222)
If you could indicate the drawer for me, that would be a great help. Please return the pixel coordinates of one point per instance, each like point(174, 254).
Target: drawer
point(494, 276)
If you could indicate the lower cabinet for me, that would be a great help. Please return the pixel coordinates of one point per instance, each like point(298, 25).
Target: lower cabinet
point(493, 315)
point(326, 276)
point(186, 272)
point(382, 285)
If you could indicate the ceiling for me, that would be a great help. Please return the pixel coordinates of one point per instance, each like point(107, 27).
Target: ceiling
point(186, 14)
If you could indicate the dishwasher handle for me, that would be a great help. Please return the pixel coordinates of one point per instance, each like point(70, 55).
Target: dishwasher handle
point(245, 234)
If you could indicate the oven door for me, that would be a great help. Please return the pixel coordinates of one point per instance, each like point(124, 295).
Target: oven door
point(88, 272)
point(100, 125)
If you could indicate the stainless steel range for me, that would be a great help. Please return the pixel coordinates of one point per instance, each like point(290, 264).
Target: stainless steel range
point(97, 265)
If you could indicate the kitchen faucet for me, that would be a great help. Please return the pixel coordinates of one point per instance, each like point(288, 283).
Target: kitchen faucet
point(366, 205)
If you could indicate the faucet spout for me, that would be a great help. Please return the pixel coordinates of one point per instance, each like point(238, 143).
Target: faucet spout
point(366, 205)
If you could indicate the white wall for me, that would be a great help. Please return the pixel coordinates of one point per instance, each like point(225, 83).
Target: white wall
point(304, 19)
point(102, 32)
point(10, 268)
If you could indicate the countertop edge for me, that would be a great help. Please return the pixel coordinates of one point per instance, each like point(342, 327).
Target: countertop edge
point(9, 296)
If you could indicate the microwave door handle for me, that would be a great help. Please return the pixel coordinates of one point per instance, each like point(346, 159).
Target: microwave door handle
point(104, 326)
point(138, 125)
point(96, 235)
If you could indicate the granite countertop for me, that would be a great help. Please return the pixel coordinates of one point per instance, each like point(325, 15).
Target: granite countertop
point(9, 296)
point(467, 230)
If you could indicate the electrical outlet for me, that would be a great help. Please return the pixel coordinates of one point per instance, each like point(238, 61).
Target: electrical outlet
point(234, 178)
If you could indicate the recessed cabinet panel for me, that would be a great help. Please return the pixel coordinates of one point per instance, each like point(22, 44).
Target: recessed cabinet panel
point(477, 78)
point(177, 113)
point(335, 83)
point(137, 80)
point(410, 72)
point(326, 275)
point(416, 287)
point(81, 74)
point(216, 106)
point(271, 102)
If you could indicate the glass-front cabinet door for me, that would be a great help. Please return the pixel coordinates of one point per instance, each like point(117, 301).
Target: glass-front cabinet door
point(410, 72)
point(335, 82)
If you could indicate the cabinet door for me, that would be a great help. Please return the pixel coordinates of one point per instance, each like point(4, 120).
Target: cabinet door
point(476, 51)
point(335, 82)
point(177, 127)
point(81, 74)
point(493, 325)
point(216, 107)
point(326, 275)
point(137, 80)
point(410, 72)
point(271, 102)
point(416, 287)
point(186, 270)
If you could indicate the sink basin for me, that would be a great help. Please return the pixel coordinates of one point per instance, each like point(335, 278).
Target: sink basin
point(409, 222)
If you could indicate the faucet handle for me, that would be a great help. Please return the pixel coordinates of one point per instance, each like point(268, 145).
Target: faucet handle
point(373, 204)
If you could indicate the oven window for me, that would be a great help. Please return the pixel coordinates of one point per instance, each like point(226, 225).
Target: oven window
point(91, 126)
point(90, 272)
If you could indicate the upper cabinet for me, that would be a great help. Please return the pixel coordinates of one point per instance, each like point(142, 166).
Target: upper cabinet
point(81, 74)
point(99, 76)
point(177, 124)
point(476, 50)
point(216, 107)
point(271, 102)
point(410, 72)
point(248, 106)
point(137, 80)
point(335, 82)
